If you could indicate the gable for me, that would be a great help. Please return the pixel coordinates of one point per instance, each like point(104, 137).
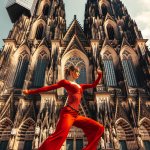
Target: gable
point(74, 44)
point(75, 29)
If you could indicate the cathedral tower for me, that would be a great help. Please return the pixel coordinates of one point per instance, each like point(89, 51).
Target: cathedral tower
point(36, 53)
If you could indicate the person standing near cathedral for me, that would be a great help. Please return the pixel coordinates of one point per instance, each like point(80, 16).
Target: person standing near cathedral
point(69, 114)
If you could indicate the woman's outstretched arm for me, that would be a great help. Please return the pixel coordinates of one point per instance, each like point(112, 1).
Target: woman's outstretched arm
point(94, 84)
point(45, 88)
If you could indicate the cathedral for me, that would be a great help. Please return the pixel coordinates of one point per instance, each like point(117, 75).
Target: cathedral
point(36, 53)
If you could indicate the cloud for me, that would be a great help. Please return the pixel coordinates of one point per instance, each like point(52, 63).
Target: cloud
point(144, 3)
point(140, 12)
point(144, 24)
point(142, 17)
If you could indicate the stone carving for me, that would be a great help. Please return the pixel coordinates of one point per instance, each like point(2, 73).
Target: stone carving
point(50, 76)
point(140, 142)
point(37, 130)
point(36, 144)
point(94, 32)
point(57, 32)
point(102, 143)
point(107, 136)
point(44, 134)
point(113, 131)
point(116, 143)
point(11, 144)
point(51, 130)
point(1, 86)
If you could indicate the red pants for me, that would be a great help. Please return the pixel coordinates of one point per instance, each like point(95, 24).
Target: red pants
point(68, 117)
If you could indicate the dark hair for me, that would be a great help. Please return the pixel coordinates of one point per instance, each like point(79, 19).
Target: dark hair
point(70, 68)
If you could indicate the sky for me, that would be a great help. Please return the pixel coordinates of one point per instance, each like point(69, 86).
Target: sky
point(139, 11)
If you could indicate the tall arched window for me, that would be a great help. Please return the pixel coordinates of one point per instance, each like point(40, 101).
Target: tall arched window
point(145, 133)
point(39, 32)
point(76, 142)
point(46, 10)
point(17, 71)
point(104, 10)
point(10, 75)
point(125, 133)
point(3, 144)
point(29, 138)
point(39, 72)
point(26, 133)
point(5, 133)
point(77, 61)
point(82, 77)
point(146, 144)
point(129, 71)
point(110, 72)
point(123, 145)
point(21, 70)
point(110, 31)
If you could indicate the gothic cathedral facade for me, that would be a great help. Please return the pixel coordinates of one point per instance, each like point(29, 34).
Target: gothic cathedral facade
point(36, 53)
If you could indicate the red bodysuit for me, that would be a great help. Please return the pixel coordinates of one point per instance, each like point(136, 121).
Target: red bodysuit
point(70, 117)
point(74, 90)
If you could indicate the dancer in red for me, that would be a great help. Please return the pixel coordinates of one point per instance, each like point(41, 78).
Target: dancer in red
point(69, 114)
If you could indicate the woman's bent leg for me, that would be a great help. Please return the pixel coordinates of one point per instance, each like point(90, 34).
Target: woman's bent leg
point(92, 129)
point(55, 141)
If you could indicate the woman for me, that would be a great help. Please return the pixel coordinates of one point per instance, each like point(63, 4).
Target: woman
point(69, 114)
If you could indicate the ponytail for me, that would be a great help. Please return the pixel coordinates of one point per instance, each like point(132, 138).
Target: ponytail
point(67, 72)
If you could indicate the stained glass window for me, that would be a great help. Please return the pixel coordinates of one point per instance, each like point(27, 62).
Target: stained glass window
point(110, 72)
point(123, 145)
point(69, 144)
point(74, 144)
point(3, 145)
point(28, 145)
point(129, 72)
point(79, 144)
point(147, 145)
point(21, 72)
point(39, 72)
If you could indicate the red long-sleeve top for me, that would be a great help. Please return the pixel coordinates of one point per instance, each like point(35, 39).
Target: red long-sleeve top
point(74, 90)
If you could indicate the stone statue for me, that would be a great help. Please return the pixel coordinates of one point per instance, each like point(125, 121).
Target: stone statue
point(107, 136)
point(116, 143)
point(36, 144)
point(44, 134)
point(140, 142)
point(99, 34)
point(57, 32)
point(113, 131)
point(93, 31)
point(11, 144)
point(37, 130)
point(1, 86)
point(14, 131)
point(51, 130)
point(63, 146)
point(102, 143)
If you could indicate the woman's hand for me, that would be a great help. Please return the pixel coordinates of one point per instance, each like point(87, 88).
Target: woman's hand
point(99, 72)
point(26, 92)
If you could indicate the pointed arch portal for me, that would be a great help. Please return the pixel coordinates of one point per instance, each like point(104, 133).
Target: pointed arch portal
point(79, 59)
